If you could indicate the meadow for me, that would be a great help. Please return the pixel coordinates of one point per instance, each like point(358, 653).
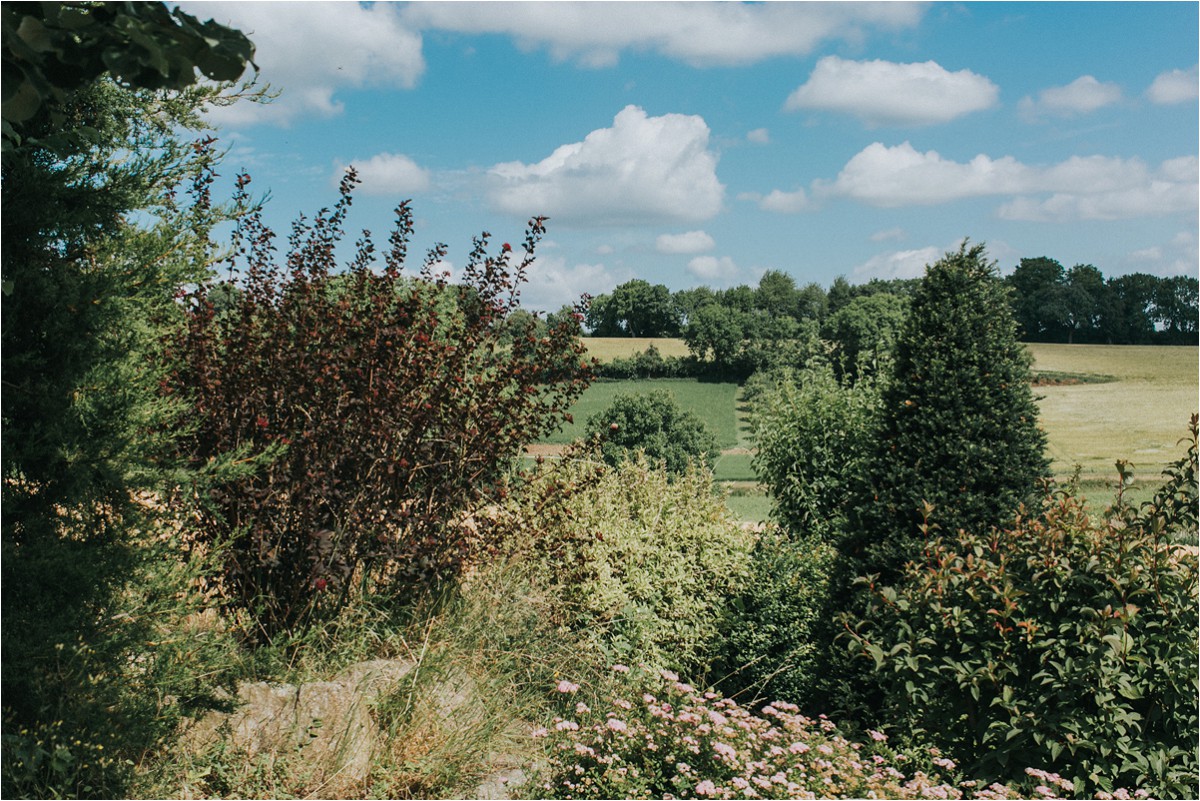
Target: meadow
point(1108, 402)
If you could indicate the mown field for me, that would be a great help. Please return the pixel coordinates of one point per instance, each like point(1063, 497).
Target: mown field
point(1138, 412)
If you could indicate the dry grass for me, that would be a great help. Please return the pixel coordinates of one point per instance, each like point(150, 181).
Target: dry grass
point(1139, 417)
point(608, 348)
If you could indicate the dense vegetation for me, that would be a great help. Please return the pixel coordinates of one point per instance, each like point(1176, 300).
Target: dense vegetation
point(317, 461)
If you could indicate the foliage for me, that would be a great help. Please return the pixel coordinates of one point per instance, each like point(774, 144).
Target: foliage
point(657, 737)
point(643, 564)
point(654, 424)
point(106, 649)
point(1061, 641)
point(377, 410)
point(864, 332)
point(814, 437)
point(636, 308)
point(958, 427)
point(648, 364)
point(53, 49)
point(772, 646)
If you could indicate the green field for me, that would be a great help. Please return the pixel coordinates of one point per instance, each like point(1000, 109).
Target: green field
point(1138, 412)
point(715, 403)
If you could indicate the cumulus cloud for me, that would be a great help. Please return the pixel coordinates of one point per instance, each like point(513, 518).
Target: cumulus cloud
point(886, 93)
point(759, 136)
point(700, 34)
point(387, 174)
point(642, 170)
point(311, 51)
point(786, 202)
point(1091, 187)
point(553, 284)
point(690, 242)
point(1176, 86)
point(714, 270)
point(1082, 96)
point(897, 264)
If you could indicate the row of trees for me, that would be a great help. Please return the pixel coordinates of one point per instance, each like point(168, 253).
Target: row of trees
point(1050, 304)
point(1053, 304)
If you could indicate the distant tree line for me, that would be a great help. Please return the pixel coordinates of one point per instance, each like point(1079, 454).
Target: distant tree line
point(1050, 304)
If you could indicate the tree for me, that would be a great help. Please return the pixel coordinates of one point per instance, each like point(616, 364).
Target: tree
point(777, 295)
point(716, 330)
point(654, 423)
point(1085, 297)
point(864, 331)
point(53, 49)
point(1132, 320)
point(1175, 301)
point(635, 309)
point(1039, 302)
point(959, 428)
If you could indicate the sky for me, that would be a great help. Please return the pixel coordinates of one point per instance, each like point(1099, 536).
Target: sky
point(697, 144)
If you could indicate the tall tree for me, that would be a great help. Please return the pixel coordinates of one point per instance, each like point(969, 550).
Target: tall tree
point(959, 429)
point(1039, 301)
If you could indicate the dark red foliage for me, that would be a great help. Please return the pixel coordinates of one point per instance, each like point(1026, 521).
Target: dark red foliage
point(385, 405)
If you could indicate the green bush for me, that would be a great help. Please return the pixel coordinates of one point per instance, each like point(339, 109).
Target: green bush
point(771, 649)
point(958, 426)
point(814, 436)
point(643, 563)
point(654, 424)
point(1059, 641)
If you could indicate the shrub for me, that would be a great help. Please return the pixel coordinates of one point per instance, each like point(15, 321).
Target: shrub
point(642, 563)
point(772, 647)
point(814, 437)
point(958, 426)
point(660, 738)
point(1059, 641)
point(654, 424)
point(375, 409)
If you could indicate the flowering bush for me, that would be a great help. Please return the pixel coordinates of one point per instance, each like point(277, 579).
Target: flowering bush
point(661, 738)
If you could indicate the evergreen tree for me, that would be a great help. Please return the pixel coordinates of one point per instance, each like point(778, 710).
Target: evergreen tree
point(959, 426)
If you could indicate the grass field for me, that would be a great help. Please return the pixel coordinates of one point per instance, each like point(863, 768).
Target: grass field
point(1139, 417)
point(1138, 413)
point(715, 403)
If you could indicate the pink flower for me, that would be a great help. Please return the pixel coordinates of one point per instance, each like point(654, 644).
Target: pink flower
point(620, 668)
point(877, 736)
point(670, 675)
point(706, 788)
point(616, 724)
point(798, 748)
point(540, 731)
point(565, 686)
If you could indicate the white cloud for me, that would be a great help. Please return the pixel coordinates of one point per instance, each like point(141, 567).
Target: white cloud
point(713, 270)
point(897, 264)
point(1177, 257)
point(690, 242)
point(891, 234)
point(313, 50)
point(552, 284)
point(786, 202)
point(642, 170)
point(700, 34)
point(886, 93)
point(1092, 187)
point(759, 136)
point(387, 174)
point(1082, 96)
point(1176, 86)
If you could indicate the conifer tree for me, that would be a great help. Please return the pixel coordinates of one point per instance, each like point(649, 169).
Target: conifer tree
point(958, 428)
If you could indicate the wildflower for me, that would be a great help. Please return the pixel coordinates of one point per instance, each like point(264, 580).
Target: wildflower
point(621, 702)
point(540, 731)
point(717, 718)
point(877, 736)
point(565, 686)
point(582, 709)
point(942, 762)
point(798, 748)
point(616, 724)
point(825, 749)
point(706, 788)
point(669, 675)
point(726, 752)
point(566, 725)
point(620, 668)
point(320, 584)
point(506, 247)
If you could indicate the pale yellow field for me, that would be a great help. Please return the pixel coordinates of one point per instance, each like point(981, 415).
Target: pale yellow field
point(1139, 417)
point(608, 348)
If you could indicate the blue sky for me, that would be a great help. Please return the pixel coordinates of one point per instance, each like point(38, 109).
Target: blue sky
point(704, 143)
